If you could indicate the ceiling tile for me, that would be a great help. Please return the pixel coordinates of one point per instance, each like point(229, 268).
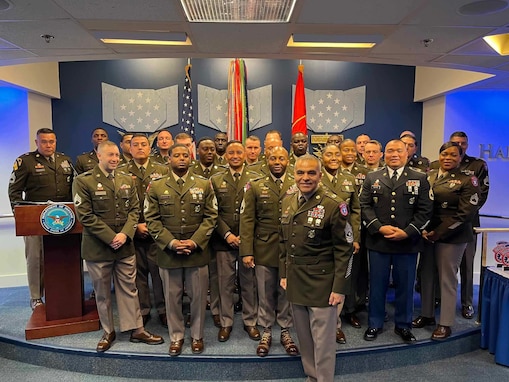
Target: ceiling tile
point(408, 39)
point(146, 10)
point(355, 12)
point(27, 34)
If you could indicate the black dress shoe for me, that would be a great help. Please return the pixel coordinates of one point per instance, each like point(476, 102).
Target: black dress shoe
point(353, 320)
point(421, 322)
point(441, 333)
point(224, 334)
point(163, 319)
point(105, 342)
point(371, 334)
point(176, 347)
point(467, 312)
point(340, 337)
point(217, 320)
point(252, 332)
point(146, 338)
point(197, 346)
point(405, 334)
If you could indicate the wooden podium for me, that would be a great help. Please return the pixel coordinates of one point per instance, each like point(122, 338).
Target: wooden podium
point(64, 311)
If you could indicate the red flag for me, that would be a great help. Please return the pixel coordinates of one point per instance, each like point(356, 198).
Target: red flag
point(299, 106)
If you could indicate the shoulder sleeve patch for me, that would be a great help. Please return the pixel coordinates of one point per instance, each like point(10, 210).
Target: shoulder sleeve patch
point(343, 209)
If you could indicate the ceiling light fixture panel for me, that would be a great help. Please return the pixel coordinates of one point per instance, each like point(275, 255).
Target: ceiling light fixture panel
point(238, 11)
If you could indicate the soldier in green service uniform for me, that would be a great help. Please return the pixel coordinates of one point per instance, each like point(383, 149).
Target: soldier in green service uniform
point(259, 225)
point(107, 206)
point(41, 175)
point(316, 247)
point(143, 169)
point(343, 185)
point(88, 160)
point(181, 213)
point(229, 189)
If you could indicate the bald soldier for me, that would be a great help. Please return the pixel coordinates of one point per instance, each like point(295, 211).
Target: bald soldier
point(259, 221)
point(180, 210)
point(229, 188)
point(315, 254)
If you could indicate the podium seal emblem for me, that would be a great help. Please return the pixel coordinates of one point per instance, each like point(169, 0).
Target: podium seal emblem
point(57, 219)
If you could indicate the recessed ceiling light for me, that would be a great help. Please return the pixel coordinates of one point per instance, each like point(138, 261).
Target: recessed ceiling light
point(143, 38)
point(238, 11)
point(334, 41)
point(499, 43)
point(484, 7)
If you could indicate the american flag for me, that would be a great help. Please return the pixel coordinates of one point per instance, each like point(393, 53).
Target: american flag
point(187, 120)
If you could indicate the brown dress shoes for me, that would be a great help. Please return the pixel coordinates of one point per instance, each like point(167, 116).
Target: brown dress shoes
point(146, 338)
point(224, 334)
point(197, 346)
point(340, 337)
point(441, 333)
point(105, 342)
point(176, 347)
point(252, 332)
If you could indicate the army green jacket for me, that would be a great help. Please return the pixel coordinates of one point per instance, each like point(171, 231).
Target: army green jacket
point(105, 208)
point(190, 213)
point(316, 248)
point(260, 217)
point(40, 180)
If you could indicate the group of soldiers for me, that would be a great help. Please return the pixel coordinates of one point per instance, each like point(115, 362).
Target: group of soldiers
point(282, 230)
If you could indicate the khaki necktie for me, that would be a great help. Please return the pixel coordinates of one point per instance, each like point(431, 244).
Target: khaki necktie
point(334, 180)
point(236, 177)
point(302, 200)
point(279, 183)
point(180, 182)
point(206, 172)
point(142, 170)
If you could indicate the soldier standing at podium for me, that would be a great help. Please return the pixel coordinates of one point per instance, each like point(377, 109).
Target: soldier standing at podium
point(42, 175)
point(107, 206)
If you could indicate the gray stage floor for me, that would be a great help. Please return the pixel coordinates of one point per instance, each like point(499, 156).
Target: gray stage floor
point(15, 312)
